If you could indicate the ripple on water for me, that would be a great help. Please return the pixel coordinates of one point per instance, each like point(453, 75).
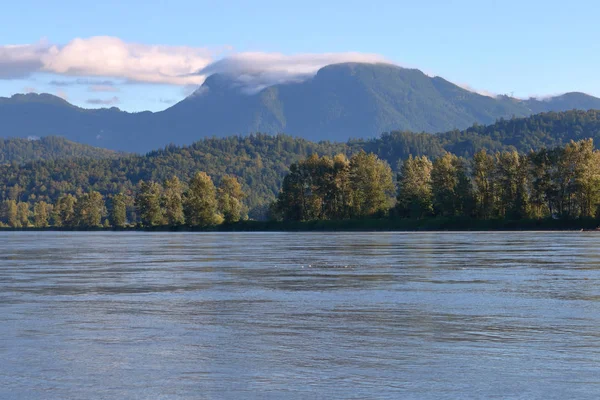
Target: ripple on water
point(296, 315)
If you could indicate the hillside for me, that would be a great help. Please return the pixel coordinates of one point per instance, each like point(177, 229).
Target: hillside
point(342, 101)
point(20, 150)
point(261, 161)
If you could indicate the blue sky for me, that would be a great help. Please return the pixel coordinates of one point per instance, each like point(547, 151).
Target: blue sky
point(141, 55)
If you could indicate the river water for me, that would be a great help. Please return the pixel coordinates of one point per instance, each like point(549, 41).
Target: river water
point(299, 315)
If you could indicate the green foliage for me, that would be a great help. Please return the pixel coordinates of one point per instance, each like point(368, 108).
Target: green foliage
point(89, 210)
point(484, 193)
point(41, 214)
point(19, 150)
point(148, 204)
point(230, 196)
point(341, 101)
point(64, 211)
point(23, 214)
point(451, 187)
point(200, 201)
point(172, 201)
point(118, 212)
point(560, 183)
point(9, 213)
point(371, 185)
point(260, 162)
point(320, 188)
point(415, 199)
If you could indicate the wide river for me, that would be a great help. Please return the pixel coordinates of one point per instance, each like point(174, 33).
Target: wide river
point(299, 315)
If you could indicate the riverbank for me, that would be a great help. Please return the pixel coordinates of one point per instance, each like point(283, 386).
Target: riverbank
point(367, 225)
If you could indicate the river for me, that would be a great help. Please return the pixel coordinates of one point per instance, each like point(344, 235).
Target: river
point(299, 315)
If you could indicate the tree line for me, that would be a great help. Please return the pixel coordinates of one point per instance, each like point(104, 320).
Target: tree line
point(199, 203)
point(563, 182)
point(259, 161)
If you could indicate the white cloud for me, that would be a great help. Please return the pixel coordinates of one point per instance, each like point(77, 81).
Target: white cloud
point(103, 58)
point(19, 61)
point(111, 57)
point(255, 70)
point(80, 81)
point(107, 57)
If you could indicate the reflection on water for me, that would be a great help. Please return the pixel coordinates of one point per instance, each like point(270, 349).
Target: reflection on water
point(289, 315)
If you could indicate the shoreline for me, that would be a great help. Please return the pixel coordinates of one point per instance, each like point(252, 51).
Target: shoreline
point(457, 224)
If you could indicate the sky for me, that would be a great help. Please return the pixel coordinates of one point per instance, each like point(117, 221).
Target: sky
point(147, 55)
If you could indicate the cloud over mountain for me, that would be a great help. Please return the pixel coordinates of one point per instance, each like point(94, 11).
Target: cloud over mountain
point(111, 57)
point(254, 71)
point(107, 57)
point(104, 63)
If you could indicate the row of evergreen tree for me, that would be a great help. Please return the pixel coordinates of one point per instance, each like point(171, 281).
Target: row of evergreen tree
point(171, 203)
point(563, 182)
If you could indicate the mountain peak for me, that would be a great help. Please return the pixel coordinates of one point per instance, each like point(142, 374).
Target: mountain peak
point(44, 98)
point(341, 101)
point(217, 83)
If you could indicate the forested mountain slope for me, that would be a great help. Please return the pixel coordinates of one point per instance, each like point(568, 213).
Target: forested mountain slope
point(261, 161)
point(20, 150)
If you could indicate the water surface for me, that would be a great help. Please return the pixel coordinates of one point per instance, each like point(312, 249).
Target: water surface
point(299, 315)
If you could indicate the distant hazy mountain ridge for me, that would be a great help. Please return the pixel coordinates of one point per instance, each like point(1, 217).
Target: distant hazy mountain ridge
point(341, 101)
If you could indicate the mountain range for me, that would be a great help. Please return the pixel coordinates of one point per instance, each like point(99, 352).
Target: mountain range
point(340, 102)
